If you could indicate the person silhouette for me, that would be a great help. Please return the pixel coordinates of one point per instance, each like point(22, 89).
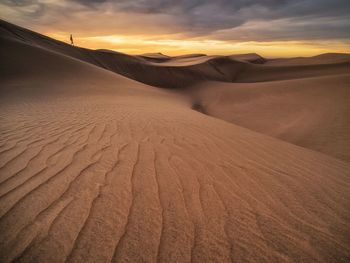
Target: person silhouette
point(71, 40)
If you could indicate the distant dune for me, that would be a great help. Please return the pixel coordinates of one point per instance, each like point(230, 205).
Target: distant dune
point(108, 157)
point(310, 112)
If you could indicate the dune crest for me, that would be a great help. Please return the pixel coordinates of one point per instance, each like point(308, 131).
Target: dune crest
point(98, 166)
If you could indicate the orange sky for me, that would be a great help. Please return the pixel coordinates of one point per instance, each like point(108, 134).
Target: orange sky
point(270, 28)
point(139, 44)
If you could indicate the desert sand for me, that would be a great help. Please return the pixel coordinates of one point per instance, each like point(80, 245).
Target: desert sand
point(108, 157)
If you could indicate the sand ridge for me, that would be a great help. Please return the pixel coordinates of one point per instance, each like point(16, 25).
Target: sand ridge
point(98, 167)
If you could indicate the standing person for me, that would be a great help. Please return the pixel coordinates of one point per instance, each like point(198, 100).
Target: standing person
point(71, 40)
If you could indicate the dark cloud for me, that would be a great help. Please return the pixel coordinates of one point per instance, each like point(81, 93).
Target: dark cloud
point(19, 2)
point(282, 19)
point(29, 8)
point(91, 3)
point(207, 16)
point(288, 29)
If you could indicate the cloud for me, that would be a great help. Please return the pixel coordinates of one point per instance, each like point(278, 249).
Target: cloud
point(255, 20)
point(207, 16)
point(287, 29)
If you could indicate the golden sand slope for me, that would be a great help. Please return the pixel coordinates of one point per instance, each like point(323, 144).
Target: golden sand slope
point(95, 167)
point(311, 112)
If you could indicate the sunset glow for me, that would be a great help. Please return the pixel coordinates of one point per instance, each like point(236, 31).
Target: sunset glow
point(296, 28)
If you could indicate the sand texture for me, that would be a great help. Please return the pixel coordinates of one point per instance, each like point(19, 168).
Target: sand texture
point(107, 157)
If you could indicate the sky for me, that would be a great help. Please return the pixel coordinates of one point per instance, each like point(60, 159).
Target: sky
point(272, 28)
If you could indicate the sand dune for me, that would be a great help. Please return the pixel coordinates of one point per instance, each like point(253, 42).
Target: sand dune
point(329, 58)
point(97, 167)
point(312, 112)
point(250, 57)
point(183, 71)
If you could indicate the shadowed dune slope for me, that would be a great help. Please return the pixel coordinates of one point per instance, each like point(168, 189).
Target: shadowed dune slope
point(183, 71)
point(177, 74)
point(95, 167)
point(328, 58)
point(250, 57)
point(312, 112)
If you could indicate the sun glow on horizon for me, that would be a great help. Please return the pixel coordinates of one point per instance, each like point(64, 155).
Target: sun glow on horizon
point(140, 44)
point(269, 28)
